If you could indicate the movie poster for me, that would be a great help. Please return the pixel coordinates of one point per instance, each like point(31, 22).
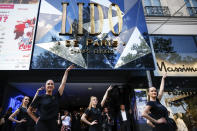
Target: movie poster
point(17, 27)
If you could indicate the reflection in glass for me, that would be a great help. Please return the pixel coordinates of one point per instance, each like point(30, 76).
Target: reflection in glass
point(131, 52)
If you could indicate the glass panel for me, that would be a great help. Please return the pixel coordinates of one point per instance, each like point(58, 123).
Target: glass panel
point(156, 3)
point(174, 44)
point(176, 55)
point(194, 3)
point(188, 4)
point(147, 2)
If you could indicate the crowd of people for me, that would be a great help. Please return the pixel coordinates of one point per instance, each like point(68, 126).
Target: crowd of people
point(43, 114)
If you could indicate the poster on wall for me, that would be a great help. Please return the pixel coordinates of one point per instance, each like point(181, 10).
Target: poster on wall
point(17, 27)
point(141, 100)
point(92, 34)
point(176, 55)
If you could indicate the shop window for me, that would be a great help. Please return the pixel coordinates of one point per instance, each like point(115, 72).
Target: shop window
point(191, 7)
point(175, 44)
point(176, 55)
point(154, 8)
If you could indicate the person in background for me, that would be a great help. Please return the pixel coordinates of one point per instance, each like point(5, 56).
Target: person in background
point(48, 105)
point(107, 121)
point(1, 118)
point(7, 126)
point(76, 125)
point(93, 112)
point(124, 118)
point(66, 121)
point(59, 122)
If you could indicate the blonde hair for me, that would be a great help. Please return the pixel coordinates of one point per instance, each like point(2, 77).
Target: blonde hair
point(90, 104)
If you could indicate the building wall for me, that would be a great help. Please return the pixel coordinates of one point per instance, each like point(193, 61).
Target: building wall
point(180, 23)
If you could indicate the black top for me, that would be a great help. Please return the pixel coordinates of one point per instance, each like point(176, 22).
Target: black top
point(22, 114)
point(157, 109)
point(31, 122)
point(94, 114)
point(47, 105)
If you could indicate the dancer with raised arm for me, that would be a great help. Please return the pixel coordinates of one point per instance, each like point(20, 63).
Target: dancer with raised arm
point(37, 92)
point(48, 105)
point(155, 112)
point(94, 111)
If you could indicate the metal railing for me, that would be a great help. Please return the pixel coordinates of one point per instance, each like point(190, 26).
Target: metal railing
point(157, 11)
point(192, 11)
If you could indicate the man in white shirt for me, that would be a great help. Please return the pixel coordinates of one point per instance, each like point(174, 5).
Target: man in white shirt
point(66, 121)
point(124, 118)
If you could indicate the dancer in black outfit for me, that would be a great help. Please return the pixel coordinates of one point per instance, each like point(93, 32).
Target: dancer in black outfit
point(22, 116)
point(158, 119)
point(93, 112)
point(48, 105)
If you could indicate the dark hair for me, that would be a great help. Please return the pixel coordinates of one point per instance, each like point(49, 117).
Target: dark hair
point(49, 80)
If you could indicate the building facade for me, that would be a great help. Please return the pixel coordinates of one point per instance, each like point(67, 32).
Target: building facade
point(171, 47)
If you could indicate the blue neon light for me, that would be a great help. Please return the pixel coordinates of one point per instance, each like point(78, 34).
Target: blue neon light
point(15, 102)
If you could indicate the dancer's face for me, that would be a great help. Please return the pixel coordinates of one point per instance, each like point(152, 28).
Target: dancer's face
point(152, 92)
point(49, 86)
point(94, 101)
point(26, 100)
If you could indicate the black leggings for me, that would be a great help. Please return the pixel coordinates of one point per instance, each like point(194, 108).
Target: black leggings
point(95, 128)
point(47, 125)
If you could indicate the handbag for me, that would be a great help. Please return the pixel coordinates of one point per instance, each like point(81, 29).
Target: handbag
point(172, 124)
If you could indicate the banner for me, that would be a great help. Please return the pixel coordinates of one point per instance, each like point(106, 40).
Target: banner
point(17, 26)
point(92, 34)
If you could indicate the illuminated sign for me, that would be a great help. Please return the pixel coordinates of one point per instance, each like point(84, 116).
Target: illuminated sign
point(92, 34)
